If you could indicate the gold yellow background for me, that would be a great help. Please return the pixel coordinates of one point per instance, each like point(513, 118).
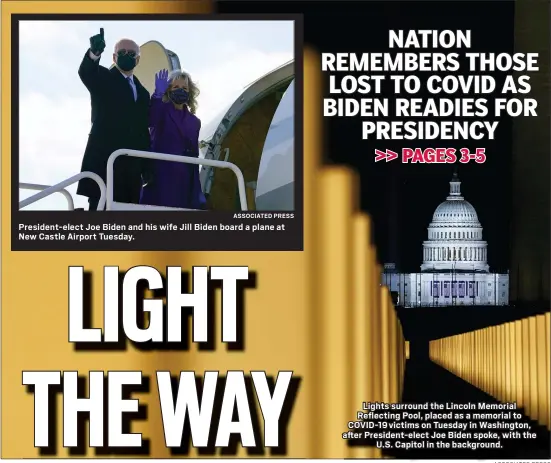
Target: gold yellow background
point(320, 313)
point(299, 318)
point(509, 361)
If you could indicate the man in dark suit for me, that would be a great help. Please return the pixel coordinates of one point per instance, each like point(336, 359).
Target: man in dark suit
point(120, 107)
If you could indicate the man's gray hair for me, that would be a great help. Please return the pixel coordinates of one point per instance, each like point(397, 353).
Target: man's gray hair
point(117, 45)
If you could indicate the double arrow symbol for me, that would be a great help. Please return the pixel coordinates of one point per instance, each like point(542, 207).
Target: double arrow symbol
point(386, 154)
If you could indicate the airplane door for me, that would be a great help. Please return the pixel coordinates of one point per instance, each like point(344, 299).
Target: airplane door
point(275, 184)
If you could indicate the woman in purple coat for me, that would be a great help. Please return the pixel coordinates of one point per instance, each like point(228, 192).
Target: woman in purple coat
point(174, 130)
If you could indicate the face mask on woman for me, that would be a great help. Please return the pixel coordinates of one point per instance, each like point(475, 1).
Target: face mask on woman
point(179, 96)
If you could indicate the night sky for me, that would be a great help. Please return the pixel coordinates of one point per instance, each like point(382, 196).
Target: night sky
point(401, 198)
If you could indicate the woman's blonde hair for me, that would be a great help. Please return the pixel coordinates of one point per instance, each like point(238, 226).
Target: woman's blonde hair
point(193, 89)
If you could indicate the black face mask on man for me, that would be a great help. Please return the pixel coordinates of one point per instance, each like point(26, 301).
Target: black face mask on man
point(126, 62)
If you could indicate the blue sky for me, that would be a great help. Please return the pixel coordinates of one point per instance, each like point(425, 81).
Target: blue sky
point(222, 56)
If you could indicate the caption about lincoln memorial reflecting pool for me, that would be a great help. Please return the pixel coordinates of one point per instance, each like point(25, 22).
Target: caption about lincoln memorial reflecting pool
point(473, 426)
point(190, 231)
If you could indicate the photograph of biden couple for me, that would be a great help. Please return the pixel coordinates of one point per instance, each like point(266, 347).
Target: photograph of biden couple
point(120, 113)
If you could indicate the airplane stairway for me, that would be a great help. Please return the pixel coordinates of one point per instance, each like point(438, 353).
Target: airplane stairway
point(106, 188)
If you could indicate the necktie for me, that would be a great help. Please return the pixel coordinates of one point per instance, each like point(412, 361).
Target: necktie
point(132, 87)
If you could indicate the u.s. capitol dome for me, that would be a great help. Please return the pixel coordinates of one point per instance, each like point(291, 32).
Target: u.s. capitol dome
point(455, 268)
point(455, 236)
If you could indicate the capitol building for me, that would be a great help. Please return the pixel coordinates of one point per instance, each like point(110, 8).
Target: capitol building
point(455, 269)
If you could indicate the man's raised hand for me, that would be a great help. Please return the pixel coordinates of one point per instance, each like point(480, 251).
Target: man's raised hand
point(97, 43)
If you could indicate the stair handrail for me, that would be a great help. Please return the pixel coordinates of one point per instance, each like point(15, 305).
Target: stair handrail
point(173, 158)
point(65, 183)
point(39, 187)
